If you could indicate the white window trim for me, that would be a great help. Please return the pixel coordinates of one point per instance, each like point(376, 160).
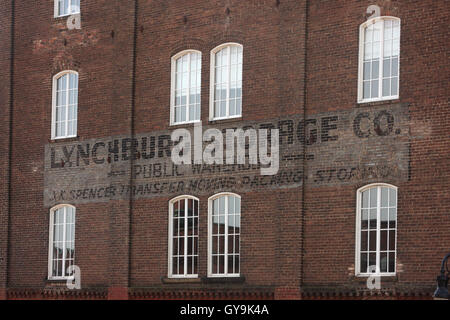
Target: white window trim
point(54, 89)
point(56, 10)
point(358, 232)
point(170, 240)
point(210, 208)
point(173, 87)
point(361, 61)
point(50, 246)
point(212, 83)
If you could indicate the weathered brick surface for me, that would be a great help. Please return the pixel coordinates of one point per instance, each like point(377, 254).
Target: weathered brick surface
point(295, 242)
point(5, 115)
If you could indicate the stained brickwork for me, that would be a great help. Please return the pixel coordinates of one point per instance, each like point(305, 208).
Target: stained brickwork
point(300, 73)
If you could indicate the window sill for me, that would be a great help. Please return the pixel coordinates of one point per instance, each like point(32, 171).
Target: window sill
point(56, 283)
point(364, 278)
point(185, 124)
point(66, 15)
point(378, 102)
point(213, 280)
point(68, 139)
point(166, 280)
point(225, 120)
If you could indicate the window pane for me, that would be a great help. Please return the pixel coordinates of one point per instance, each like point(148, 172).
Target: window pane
point(383, 262)
point(384, 218)
point(364, 241)
point(384, 240)
point(372, 240)
point(392, 240)
point(374, 89)
point(373, 197)
point(366, 90)
point(393, 218)
point(392, 197)
point(364, 219)
point(395, 67)
point(386, 87)
point(384, 197)
point(386, 68)
point(364, 261)
point(372, 259)
point(375, 69)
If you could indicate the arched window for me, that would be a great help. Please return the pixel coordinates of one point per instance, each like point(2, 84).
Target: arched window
point(66, 7)
point(376, 230)
point(183, 237)
point(62, 241)
point(379, 59)
point(226, 81)
point(186, 87)
point(65, 105)
point(224, 229)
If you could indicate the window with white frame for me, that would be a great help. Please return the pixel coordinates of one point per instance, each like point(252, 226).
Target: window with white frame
point(183, 237)
point(226, 81)
point(379, 59)
point(62, 242)
point(66, 7)
point(376, 230)
point(65, 105)
point(224, 235)
point(186, 87)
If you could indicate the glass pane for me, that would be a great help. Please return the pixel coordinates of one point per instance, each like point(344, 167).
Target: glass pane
point(384, 197)
point(366, 70)
point(396, 48)
point(372, 240)
point(364, 261)
point(374, 89)
point(395, 67)
point(373, 218)
point(392, 198)
point(375, 69)
point(366, 90)
point(383, 240)
point(373, 197)
point(372, 260)
point(364, 219)
point(365, 199)
point(386, 87)
point(384, 218)
point(383, 262)
point(392, 240)
point(392, 218)
point(364, 239)
point(386, 68)
point(388, 48)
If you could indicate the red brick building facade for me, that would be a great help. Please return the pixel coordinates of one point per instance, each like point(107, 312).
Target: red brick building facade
point(303, 72)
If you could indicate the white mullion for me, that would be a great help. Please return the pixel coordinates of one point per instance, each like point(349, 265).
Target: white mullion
point(226, 237)
point(378, 228)
point(178, 237)
point(380, 88)
point(185, 235)
point(64, 243)
point(229, 81)
point(67, 75)
point(188, 87)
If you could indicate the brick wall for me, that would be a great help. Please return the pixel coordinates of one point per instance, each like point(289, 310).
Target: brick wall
point(297, 240)
point(5, 96)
